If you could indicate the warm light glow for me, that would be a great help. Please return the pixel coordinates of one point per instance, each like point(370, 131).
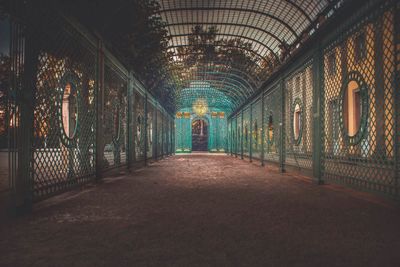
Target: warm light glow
point(200, 107)
point(352, 108)
point(297, 121)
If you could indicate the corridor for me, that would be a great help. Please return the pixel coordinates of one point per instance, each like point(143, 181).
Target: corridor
point(205, 210)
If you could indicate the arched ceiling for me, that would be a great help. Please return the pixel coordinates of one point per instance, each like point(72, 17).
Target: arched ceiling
point(232, 46)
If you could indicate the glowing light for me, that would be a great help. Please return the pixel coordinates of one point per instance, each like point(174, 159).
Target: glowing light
point(200, 107)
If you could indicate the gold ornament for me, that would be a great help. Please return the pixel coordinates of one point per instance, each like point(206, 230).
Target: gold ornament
point(200, 107)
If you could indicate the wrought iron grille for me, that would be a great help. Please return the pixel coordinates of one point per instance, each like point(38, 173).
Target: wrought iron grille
point(64, 111)
point(228, 148)
point(139, 126)
point(298, 113)
point(206, 36)
point(246, 131)
point(11, 58)
point(164, 135)
point(348, 90)
point(272, 124)
point(159, 133)
point(150, 129)
point(257, 127)
point(69, 108)
point(359, 104)
point(240, 134)
point(234, 136)
point(115, 116)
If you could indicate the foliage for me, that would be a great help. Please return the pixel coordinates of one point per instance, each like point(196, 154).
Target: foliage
point(4, 85)
point(134, 31)
point(204, 48)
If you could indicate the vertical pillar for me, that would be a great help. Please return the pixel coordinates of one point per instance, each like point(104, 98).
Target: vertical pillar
point(26, 102)
point(318, 116)
point(134, 122)
point(145, 130)
point(100, 108)
point(169, 136)
point(172, 136)
point(162, 135)
point(155, 136)
point(241, 138)
point(251, 133)
point(129, 123)
point(282, 125)
point(218, 133)
point(236, 137)
point(263, 128)
point(380, 89)
point(231, 137)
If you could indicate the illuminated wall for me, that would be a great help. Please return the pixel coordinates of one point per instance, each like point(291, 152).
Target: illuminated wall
point(217, 126)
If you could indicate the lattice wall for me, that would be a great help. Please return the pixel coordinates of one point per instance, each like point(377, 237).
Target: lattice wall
point(299, 92)
point(257, 127)
point(355, 77)
point(63, 157)
point(150, 129)
point(70, 72)
point(139, 130)
point(364, 56)
point(272, 122)
point(246, 131)
point(239, 133)
point(115, 117)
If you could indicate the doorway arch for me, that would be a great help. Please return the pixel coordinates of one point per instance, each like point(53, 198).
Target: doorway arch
point(200, 131)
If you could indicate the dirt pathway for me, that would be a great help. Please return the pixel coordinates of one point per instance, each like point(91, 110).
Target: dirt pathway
point(205, 211)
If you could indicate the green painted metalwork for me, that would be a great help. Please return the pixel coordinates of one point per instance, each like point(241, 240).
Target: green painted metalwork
point(203, 90)
point(257, 129)
point(139, 127)
point(366, 162)
point(299, 90)
point(61, 160)
point(246, 131)
point(217, 130)
point(297, 103)
point(272, 122)
point(263, 32)
point(80, 112)
point(150, 130)
point(115, 116)
point(113, 121)
point(363, 49)
point(363, 89)
point(240, 134)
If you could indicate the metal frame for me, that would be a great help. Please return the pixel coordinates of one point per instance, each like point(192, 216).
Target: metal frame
point(350, 167)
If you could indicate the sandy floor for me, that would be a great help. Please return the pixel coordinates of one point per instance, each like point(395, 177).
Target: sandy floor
point(205, 211)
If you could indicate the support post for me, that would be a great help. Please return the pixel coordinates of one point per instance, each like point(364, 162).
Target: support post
point(231, 138)
point(241, 138)
point(129, 123)
point(24, 183)
point(251, 133)
point(318, 116)
point(155, 136)
point(263, 128)
point(236, 137)
point(172, 136)
point(145, 130)
point(380, 150)
point(100, 108)
point(282, 125)
point(162, 135)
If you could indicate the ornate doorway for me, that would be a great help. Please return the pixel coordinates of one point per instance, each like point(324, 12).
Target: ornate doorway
point(199, 135)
